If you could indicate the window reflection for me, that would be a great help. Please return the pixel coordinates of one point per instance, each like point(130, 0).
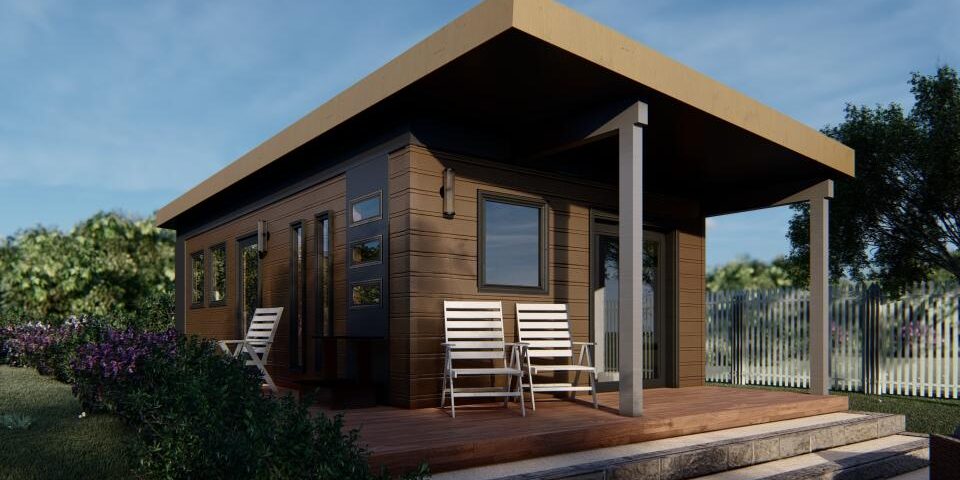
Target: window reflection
point(512, 235)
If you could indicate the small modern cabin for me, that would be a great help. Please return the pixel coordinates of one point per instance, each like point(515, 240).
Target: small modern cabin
point(522, 153)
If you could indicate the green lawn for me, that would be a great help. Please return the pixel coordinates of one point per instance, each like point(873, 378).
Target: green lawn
point(57, 444)
point(924, 415)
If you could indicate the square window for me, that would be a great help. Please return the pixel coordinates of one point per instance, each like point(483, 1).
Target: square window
point(365, 294)
point(364, 252)
point(365, 209)
point(512, 243)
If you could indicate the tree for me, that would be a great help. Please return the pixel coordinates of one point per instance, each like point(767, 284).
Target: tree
point(109, 264)
point(747, 273)
point(898, 221)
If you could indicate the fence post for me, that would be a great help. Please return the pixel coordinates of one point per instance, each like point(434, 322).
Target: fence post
point(870, 329)
point(736, 339)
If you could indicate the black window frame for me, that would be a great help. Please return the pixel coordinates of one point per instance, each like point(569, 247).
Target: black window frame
point(378, 195)
point(244, 242)
point(193, 279)
point(379, 260)
point(543, 286)
point(213, 278)
point(297, 294)
point(372, 281)
point(323, 321)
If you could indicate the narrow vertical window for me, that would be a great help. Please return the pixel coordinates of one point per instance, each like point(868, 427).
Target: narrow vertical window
point(248, 290)
point(218, 270)
point(297, 290)
point(324, 283)
point(196, 262)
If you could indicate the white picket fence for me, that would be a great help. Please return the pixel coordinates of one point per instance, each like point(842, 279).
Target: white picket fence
point(902, 346)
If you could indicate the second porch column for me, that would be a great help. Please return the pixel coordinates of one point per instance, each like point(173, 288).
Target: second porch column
point(820, 293)
point(630, 340)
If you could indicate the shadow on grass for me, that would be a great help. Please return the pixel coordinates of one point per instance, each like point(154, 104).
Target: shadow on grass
point(57, 444)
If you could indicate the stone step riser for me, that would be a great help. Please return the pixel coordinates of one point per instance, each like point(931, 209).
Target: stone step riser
point(690, 462)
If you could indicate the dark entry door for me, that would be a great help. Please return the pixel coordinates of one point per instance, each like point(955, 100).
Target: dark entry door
point(605, 318)
point(248, 282)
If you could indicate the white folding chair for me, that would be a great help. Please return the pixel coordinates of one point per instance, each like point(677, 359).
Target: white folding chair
point(543, 330)
point(263, 326)
point(473, 331)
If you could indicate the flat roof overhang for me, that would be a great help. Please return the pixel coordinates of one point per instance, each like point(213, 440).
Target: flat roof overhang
point(524, 72)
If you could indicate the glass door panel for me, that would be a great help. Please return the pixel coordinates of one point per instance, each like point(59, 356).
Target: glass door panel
point(606, 304)
point(249, 281)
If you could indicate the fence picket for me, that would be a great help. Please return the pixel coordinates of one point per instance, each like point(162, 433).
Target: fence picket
point(908, 345)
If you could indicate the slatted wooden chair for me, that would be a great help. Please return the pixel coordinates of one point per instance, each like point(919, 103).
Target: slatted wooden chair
point(473, 331)
point(543, 329)
point(259, 340)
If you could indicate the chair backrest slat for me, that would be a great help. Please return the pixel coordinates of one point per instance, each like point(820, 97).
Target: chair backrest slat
point(480, 323)
point(263, 327)
point(545, 327)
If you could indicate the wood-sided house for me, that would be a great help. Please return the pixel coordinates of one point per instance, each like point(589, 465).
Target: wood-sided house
point(523, 152)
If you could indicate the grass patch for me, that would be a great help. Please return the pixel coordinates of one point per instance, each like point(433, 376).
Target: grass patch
point(55, 443)
point(924, 415)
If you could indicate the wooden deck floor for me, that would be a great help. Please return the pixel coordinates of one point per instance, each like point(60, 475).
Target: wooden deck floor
point(484, 434)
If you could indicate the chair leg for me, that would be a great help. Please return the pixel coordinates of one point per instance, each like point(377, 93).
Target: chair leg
point(453, 397)
point(533, 400)
point(443, 396)
point(269, 380)
point(593, 389)
point(523, 409)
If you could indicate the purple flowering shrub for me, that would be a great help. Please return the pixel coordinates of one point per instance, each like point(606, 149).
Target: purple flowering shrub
point(111, 363)
point(50, 349)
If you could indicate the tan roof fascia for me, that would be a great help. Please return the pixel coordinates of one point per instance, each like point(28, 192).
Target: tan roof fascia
point(559, 26)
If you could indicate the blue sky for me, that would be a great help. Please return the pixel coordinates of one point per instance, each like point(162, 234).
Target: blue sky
point(125, 105)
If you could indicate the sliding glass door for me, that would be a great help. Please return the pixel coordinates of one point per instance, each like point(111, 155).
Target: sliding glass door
point(605, 287)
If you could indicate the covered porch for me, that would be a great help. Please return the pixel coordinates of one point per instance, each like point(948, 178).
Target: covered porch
point(487, 434)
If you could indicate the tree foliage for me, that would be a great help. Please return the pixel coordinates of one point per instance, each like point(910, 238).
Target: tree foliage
point(898, 221)
point(747, 273)
point(109, 264)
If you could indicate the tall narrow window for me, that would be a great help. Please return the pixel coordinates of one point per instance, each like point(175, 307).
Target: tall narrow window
point(218, 270)
point(324, 283)
point(248, 291)
point(512, 243)
point(297, 290)
point(196, 263)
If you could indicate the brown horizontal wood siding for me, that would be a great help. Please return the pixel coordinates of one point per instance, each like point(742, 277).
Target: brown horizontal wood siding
point(220, 322)
point(434, 258)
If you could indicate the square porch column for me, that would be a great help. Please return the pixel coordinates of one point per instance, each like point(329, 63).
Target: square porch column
point(630, 339)
point(820, 292)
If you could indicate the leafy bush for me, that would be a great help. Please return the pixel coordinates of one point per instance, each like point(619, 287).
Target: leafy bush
point(199, 413)
point(47, 348)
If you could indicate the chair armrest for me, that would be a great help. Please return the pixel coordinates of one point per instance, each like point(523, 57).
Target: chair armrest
point(228, 342)
point(591, 344)
point(517, 344)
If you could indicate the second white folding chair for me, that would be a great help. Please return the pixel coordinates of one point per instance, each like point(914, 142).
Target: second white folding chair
point(543, 330)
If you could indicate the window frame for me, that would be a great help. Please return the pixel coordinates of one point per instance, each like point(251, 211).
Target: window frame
point(370, 281)
point(378, 195)
point(213, 278)
point(193, 279)
point(379, 260)
point(297, 297)
point(543, 286)
point(324, 320)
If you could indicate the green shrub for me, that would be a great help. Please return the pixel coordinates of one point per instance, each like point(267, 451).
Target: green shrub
point(201, 414)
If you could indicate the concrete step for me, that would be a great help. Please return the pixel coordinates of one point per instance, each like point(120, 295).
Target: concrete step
point(699, 454)
point(881, 458)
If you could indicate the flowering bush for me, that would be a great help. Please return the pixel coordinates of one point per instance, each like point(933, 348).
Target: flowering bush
point(49, 349)
point(114, 362)
point(197, 413)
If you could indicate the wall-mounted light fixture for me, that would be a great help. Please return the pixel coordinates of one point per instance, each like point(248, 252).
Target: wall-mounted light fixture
point(448, 193)
point(262, 236)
